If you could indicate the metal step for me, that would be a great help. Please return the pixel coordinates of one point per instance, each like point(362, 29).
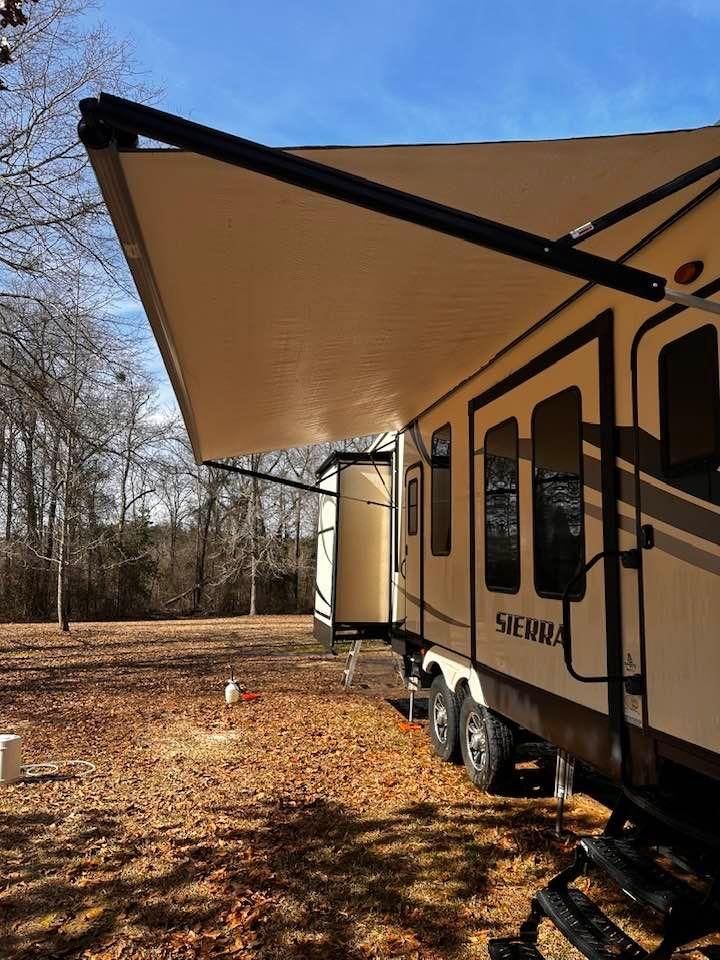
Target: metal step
point(638, 875)
point(586, 927)
point(509, 948)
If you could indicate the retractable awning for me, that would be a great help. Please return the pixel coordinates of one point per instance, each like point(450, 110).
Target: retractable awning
point(286, 316)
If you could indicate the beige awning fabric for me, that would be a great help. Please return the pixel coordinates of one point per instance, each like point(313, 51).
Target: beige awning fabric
point(285, 317)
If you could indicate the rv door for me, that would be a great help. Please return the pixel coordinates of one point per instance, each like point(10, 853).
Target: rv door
point(678, 445)
point(540, 450)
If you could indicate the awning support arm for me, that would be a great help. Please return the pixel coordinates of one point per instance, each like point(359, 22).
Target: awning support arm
point(689, 300)
point(285, 482)
point(269, 477)
point(109, 120)
point(667, 189)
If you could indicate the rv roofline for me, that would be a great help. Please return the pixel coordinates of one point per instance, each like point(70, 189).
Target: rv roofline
point(351, 457)
point(659, 229)
point(108, 120)
point(433, 144)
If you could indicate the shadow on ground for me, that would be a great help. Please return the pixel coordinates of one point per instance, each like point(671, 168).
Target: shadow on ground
point(333, 884)
point(308, 825)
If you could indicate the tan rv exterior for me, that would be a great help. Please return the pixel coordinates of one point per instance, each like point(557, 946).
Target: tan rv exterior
point(665, 615)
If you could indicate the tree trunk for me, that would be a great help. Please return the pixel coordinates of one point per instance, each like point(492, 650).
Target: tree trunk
point(61, 610)
point(50, 531)
point(9, 466)
point(9, 490)
point(253, 519)
point(296, 583)
point(28, 475)
point(62, 614)
point(201, 549)
point(62, 617)
point(253, 587)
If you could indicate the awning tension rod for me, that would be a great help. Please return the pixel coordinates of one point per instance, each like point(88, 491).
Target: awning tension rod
point(295, 484)
point(109, 120)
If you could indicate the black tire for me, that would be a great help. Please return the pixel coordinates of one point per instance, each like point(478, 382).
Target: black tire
point(486, 743)
point(444, 720)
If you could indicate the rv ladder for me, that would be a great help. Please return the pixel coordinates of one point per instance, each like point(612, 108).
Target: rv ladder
point(351, 660)
point(626, 854)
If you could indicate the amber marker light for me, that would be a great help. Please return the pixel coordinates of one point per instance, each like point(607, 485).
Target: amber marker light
point(689, 272)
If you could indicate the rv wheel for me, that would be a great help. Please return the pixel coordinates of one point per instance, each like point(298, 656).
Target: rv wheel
point(486, 743)
point(444, 718)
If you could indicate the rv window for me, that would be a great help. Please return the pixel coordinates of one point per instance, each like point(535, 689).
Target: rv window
point(558, 514)
point(412, 508)
point(441, 492)
point(502, 519)
point(690, 402)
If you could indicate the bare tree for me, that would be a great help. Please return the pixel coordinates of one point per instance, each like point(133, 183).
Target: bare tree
point(103, 511)
point(52, 210)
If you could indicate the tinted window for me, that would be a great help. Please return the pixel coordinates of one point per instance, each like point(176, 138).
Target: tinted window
point(441, 484)
point(502, 527)
point(412, 508)
point(690, 401)
point(558, 522)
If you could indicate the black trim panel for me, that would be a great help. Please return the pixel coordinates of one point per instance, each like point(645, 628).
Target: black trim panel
point(564, 723)
point(323, 633)
point(687, 754)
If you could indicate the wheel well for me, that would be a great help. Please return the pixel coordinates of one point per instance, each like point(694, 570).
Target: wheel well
point(429, 675)
point(462, 689)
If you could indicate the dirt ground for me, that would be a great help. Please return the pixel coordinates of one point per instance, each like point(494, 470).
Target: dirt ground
point(306, 824)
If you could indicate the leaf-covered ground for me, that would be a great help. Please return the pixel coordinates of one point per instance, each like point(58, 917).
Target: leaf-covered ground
point(306, 824)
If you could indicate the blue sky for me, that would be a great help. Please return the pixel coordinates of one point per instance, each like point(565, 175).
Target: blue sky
point(374, 71)
point(389, 71)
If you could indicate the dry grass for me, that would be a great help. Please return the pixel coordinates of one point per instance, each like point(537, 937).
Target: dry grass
point(304, 825)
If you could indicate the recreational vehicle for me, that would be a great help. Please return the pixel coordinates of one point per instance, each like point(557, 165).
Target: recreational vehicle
point(537, 527)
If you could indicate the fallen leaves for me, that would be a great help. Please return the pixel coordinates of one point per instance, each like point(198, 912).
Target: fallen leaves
point(304, 823)
point(82, 923)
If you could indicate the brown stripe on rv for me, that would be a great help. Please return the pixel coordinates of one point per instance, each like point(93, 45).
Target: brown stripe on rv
point(669, 508)
point(651, 462)
point(670, 545)
point(438, 614)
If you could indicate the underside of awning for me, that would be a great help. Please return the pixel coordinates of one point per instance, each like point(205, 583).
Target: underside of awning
point(288, 317)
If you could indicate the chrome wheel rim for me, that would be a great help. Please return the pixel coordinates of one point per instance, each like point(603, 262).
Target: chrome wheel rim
point(440, 718)
point(475, 740)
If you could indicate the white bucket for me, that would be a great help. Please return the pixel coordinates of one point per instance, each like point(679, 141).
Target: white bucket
point(10, 758)
point(232, 692)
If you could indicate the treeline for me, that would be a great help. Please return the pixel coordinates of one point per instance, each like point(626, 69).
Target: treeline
point(103, 512)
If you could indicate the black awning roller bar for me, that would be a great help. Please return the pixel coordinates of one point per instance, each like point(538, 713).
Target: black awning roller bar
point(108, 120)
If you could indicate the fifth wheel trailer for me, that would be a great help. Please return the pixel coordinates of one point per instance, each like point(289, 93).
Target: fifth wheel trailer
point(550, 395)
